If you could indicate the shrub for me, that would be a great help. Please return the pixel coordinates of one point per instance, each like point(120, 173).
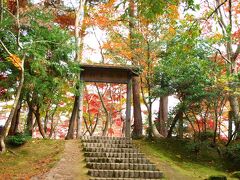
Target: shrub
point(236, 174)
point(217, 177)
point(206, 135)
point(232, 155)
point(194, 147)
point(18, 139)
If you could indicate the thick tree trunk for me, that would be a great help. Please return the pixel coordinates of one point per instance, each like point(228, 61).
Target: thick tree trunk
point(38, 120)
point(10, 117)
point(137, 126)
point(79, 30)
point(15, 122)
point(162, 116)
point(137, 129)
point(72, 121)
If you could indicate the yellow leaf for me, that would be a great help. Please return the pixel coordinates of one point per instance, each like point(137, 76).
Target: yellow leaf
point(16, 61)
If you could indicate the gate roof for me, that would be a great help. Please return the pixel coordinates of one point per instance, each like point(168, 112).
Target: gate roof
point(108, 73)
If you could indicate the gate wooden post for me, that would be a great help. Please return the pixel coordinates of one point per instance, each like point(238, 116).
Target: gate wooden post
point(128, 110)
point(80, 109)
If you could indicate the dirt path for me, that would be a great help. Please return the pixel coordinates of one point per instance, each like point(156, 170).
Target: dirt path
point(70, 166)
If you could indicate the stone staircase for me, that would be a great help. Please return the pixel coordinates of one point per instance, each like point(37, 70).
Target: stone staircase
point(115, 158)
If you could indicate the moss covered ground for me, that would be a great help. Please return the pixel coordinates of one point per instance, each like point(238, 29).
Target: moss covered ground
point(180, 159)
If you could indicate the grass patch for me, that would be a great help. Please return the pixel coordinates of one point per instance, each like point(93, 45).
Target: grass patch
point(184, 158)
point(34, 157)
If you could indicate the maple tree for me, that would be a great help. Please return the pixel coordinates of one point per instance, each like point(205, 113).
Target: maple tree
point(229, 38)
point(138, 48)
point(102, 109)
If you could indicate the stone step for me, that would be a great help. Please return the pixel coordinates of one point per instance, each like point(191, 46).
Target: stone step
point(125, 174)
point(114, 150)
point(110, 141)
point(113, 158)
point(95, 178)
point(113, 155)
point(104, 138)
point(105, 145)
point(121, 166)
point(117, 160)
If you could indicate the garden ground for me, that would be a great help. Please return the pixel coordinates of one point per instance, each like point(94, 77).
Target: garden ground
point(47, 159)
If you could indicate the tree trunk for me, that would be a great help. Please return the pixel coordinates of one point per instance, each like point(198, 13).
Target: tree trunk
point(80, 113)
point(46, 120)
point(230, 130)
point(105, 111)
point(162, 116)
point(191, 124)
point(176, 118)
point(150, 124)
point(72, 121)
point(15, 122)
point(29, 127)
point(1, 10)
point(38, 119)
point(180, 126)
point(137, 129)
point(105, 129)
point(10, 117)
point(51, 129)
point(95, 125)
point(137, 126)
point(52, 123)
point(235, 111)
point(215, 130)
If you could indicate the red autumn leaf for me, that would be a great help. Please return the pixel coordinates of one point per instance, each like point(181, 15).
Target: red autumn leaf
point(110, 131)
point(93, 111)
point(66, 20)
point(118, 122)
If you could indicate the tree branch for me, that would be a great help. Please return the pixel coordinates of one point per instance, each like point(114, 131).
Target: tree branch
point(142, 92)
point(216, 9)
point(5, 48)
point(222, 55)
point(18, 26)
point(100, 46)
point(221, 21)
